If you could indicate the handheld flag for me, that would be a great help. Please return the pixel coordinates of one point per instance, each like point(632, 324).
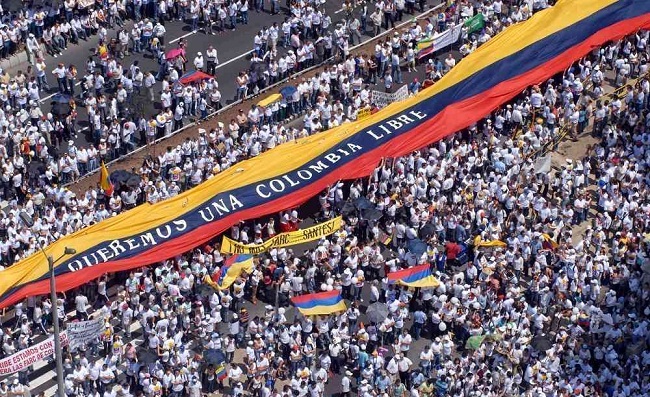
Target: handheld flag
point(417, 276)
point(424, 47)
point(320, 303)
point(549, 243)
point(221, 372)
point(474, 342)
point(475, 23)
point(231, 269)
point(105, 181)
point(479, 242)
point(384, 237)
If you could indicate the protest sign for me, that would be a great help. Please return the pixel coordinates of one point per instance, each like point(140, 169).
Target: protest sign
point(312, 233)
point(24, 358)
point(383, 99)
point(363, 113)
point(83, 332)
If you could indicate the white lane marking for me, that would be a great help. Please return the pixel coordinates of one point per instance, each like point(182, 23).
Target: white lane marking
point(182, 37)
point(233, 59)
point(51, 95)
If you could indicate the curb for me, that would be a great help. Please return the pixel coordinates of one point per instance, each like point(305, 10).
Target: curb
point(15, 60)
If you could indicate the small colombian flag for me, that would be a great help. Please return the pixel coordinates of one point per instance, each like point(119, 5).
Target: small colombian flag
point(416, 276)
point(105, 181)
point(320, 303)
point(221, 372)
point(231, 269)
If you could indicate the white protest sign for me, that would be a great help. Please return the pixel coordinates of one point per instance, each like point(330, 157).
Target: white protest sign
point(24, 358)
point(382, 99)
point(85, 3)
point(543, 165)
point(83, 332)
point(447, 38)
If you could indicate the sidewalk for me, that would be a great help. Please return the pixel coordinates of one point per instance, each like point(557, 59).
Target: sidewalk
point(15, 62)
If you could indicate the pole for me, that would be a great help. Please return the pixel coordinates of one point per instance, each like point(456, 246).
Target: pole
point(58, 353)
point(277, 301)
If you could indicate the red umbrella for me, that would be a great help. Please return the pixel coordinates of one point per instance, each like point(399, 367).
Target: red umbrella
point(192, 76)
point(176, 52)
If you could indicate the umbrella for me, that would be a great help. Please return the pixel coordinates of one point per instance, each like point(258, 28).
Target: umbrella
point(417, 247)
point(213, 356)
point(474, 342)
point(36, 168)
point(194, 75)
point(120, 177)
point(133, 181)
point(287, 92)
point(61, 98)
point(60, 108)
point(371, 214)
point(402, 213)
point(377, 312)
point(427, 230)
point(363, 203)
point(204, 290)
point(173, 53)
point(541, 343)
point(348, 208)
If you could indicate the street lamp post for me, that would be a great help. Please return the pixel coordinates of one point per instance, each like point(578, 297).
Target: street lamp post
point(58, 351)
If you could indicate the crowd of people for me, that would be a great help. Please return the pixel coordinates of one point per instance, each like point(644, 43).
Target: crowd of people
point(561, 312)
point(108, 89)
point(45, 139)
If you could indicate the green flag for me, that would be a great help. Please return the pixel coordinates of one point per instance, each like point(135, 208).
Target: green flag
point(475, 23)
point(474, 342)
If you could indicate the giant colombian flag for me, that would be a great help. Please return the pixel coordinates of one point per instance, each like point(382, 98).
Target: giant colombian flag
point(525, 54)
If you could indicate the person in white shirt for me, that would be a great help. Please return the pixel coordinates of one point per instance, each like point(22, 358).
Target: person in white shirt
point(81, 303)
point(198, 61)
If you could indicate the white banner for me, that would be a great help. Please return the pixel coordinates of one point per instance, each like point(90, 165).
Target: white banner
point(83, 332)
point(383, 99)
point(85, 3)
point(24, 358)
point(447, 38)
point(543, 165)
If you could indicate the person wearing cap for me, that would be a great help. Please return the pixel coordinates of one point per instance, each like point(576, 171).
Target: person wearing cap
point(33, 47)
point(198, 61)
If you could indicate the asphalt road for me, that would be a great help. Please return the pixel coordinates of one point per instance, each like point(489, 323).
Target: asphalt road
point(233, 49)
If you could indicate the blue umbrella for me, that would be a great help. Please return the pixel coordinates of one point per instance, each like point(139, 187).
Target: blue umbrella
point(287, 92)
point(61, 98)
point(362, 203)
point(214, 356)
point(371, 214)
point(417, 247)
